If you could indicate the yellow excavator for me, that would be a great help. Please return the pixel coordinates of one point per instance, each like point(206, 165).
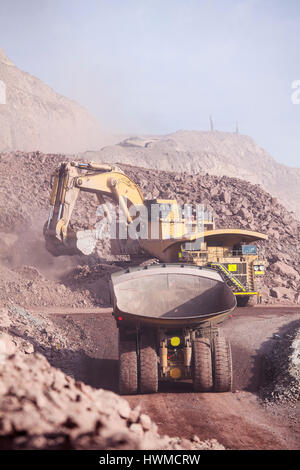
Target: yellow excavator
point(167, 313)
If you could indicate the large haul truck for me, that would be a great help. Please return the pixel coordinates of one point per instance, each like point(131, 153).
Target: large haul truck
point(168, 317)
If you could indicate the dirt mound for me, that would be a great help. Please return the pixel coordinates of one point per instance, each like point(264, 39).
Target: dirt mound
point(27, 287)
point(60, 339)
point(36, 117)
point(24, 201)
point(216, 153)
point(23, 331)
point(282, 368)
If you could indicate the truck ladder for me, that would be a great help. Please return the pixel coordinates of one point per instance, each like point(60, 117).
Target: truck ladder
point(229, 278)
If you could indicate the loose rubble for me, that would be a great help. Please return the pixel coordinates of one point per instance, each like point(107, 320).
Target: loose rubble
point(282, 368)
point(42, 408)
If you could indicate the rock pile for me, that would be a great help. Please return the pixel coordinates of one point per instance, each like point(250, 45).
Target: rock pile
point(26, 286)
point(282, 368)
point(42, 408)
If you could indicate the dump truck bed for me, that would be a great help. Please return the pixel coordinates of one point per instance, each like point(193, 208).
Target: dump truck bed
point(171, 294)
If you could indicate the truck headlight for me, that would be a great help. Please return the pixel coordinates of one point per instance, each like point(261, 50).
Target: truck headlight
point(175, 341)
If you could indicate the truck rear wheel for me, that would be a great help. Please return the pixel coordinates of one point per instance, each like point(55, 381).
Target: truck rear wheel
point(222, 364)
point(148, 365)
point(202, 365)
point(128, 370)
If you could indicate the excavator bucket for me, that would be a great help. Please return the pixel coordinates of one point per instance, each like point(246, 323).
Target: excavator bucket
point(171, 294)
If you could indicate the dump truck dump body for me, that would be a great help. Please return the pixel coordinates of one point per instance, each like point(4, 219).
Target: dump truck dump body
point(166, 295)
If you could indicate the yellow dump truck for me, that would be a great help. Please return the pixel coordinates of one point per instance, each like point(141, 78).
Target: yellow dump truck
point(168, 317)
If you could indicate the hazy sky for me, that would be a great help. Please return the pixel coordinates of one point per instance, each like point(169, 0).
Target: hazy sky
point(156, 66)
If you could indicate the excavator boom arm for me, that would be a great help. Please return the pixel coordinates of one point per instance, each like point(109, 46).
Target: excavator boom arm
point(67, 182)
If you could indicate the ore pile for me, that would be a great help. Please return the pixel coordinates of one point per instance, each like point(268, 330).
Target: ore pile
point(282, 368)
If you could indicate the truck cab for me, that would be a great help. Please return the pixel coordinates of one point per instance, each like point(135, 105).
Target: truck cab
point(233, 253)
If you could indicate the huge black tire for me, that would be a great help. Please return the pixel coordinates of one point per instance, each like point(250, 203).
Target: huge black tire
point(148, 365)
point(222, 364)
point(202, 365)
point(128, 367)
